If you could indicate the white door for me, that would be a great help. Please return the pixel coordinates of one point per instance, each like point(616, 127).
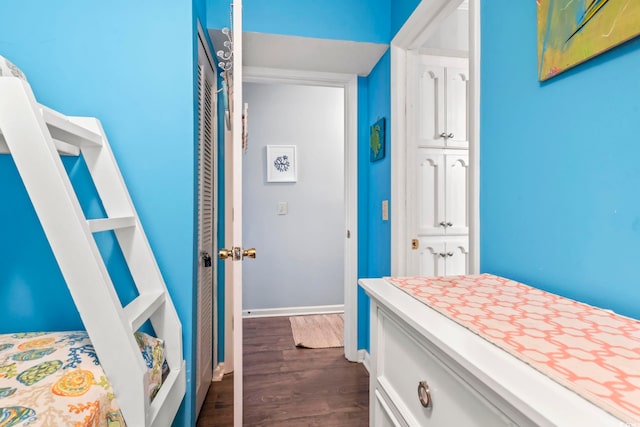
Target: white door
point(441, 192)
point(457, 106)
point(457, 256)
point(206, 310)
point(429, 189)
point(233, 251)
point(431, 257)
point(456, 205)
point(428, 105)
point(442, 256)
point(438, 98)
point(437, 180)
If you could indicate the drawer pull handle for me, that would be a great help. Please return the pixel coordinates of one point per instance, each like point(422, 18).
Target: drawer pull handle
point(424, 394)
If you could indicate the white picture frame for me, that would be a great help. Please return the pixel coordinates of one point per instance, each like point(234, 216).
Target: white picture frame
point(281, 163)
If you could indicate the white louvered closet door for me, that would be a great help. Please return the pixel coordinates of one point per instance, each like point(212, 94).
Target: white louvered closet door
point(207, 310)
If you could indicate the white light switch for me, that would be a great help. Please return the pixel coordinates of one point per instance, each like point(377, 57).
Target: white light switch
point(385, 210)
point(283, 208)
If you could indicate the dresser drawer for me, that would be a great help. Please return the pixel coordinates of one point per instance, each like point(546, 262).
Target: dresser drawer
point(403, 362)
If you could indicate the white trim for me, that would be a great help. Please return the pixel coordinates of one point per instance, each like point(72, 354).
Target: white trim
point(293, 311)
point(218, 373)
point(411, 36)
point(235, 267)
point(399, 236)
point(310, 78)
point(422, 22)
point(474, 124)
point(365, 358)
point(350, 84)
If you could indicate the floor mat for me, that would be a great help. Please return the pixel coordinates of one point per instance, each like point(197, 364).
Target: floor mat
point(318, 331)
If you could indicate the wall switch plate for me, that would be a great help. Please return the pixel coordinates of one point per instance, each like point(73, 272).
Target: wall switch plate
point(283, 208)
point(385, 210)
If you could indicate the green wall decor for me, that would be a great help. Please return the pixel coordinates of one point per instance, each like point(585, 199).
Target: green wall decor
point(376, 140)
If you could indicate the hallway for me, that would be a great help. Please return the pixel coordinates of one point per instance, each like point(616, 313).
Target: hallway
point(288, 386)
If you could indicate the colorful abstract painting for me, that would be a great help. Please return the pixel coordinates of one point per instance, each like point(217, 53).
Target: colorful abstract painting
point(573, 31)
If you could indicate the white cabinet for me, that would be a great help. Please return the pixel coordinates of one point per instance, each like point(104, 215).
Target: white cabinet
point(443, 256)
point(441, 217)
point(441, 106)
point(441, 189)
point(437, 165)
point(407, 368)
point(466, 380)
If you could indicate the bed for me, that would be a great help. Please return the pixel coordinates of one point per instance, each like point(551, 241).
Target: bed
point(484, 350)
point(55, 379)
point(119, 374)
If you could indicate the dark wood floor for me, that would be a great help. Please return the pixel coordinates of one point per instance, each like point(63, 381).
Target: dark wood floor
point(289, 386)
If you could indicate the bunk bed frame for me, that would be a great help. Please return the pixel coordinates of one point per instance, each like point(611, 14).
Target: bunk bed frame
point(36, 136)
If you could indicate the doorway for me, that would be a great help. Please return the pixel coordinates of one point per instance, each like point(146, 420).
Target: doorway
point(346, 88)
point(425, 33)
point(293, 175)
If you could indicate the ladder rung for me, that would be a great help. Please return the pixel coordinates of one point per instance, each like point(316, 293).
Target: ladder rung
point(63, 129)
point(62, 147)
point(66, 149)
point(107, 224)
point(141, 308)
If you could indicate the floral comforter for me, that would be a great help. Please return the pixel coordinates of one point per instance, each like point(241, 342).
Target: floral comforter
point(55, 379)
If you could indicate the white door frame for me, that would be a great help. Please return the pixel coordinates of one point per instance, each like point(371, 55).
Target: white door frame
point(420, 25)
point(350, 85)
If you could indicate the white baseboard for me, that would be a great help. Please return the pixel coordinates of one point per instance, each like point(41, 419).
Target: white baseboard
point(218, 372)
point(293, 311)
point(365, 359)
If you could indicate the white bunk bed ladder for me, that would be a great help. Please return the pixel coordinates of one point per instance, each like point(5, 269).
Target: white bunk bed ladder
point(36, 136)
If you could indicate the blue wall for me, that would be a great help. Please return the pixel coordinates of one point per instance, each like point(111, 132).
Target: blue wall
point(559, 173)
point(355, 20)
point(401, 10)
point(131, 65)
point(363, 210)
point(374, 186)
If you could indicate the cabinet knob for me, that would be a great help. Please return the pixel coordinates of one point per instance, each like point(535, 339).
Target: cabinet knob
point(449, 224)
point(442, 254)
point(443, 135)
point(449, 253)
point(424, 395)
point(450, 136)
point(443, 224)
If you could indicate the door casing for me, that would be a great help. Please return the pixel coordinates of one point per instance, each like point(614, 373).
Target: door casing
point(424, 20)
point(350, 85)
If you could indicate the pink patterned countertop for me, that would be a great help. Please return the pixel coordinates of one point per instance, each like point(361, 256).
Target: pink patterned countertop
point(593, 352)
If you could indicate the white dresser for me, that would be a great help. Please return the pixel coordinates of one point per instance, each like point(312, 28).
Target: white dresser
point(427, 370)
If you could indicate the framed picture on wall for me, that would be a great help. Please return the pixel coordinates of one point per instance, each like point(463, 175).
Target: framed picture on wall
point(281, 163)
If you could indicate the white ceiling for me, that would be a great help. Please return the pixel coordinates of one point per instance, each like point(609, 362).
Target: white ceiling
point(306, 54)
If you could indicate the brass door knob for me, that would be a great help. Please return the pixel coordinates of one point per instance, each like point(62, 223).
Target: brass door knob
point(224, 253)
point(251, 253)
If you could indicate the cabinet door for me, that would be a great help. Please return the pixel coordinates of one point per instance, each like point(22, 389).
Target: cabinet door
point(456, 193)
point(429, 105)
point(431, 193)
point(457, 107)
point(431, 258)
point(457, 260)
